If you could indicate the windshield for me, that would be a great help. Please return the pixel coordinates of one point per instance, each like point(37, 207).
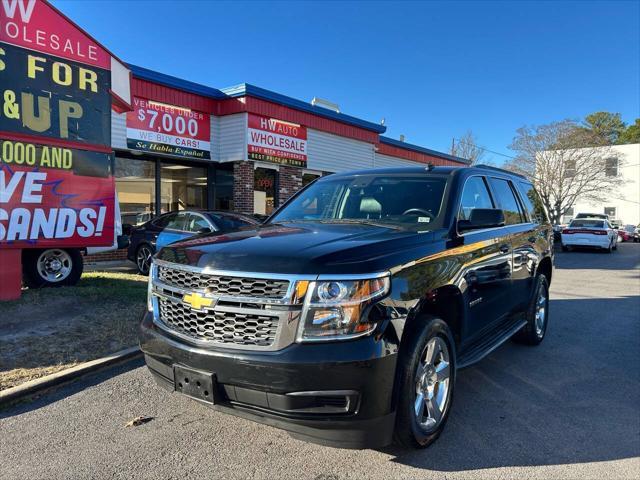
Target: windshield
point(406, 201)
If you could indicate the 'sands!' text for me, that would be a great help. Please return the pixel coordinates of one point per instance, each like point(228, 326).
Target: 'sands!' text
point(56, 161)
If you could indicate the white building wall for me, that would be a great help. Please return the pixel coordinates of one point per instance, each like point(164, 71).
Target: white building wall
point(381, 160)
point(230, 137)
point(118, 130)
point(625, 198)
point(331, 153)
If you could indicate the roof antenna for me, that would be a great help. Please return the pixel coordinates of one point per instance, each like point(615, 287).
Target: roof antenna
point(430, 166)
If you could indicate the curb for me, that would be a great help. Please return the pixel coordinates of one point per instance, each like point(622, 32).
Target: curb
point(32, 387)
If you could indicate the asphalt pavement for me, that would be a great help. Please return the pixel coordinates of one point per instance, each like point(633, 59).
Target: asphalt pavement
point(569, 408)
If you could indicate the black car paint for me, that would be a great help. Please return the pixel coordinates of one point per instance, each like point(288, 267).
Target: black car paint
point(475, 281)
point(148, 232)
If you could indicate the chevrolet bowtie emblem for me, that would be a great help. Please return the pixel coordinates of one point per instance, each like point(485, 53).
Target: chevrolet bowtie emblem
point(197, 301)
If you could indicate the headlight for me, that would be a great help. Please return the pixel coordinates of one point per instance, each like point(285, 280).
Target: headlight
point(152, 275)
point(335, 308)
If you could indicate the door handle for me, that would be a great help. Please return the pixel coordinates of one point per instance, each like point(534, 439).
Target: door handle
point(504, 248)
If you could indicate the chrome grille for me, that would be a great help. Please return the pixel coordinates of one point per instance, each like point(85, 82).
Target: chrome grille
point(223, 285)
point(219, 326)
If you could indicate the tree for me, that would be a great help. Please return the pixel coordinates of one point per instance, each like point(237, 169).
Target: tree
point(631, 134)
point(560, 166)
point(467, 147)
point(598, 129)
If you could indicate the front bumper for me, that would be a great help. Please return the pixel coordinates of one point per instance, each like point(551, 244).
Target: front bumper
point(338, 394)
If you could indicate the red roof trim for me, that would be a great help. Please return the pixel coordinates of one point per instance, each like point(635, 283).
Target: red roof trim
point(171, 96)
point(280, 112)
point(384, 149)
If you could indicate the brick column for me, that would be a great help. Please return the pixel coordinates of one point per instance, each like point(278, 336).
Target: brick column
point(243, 187)
point(290, 179)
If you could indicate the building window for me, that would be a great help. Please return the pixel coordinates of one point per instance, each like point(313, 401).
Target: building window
point(611, 211)
point(611, 167)
point(264, 191)
point(136, 188)
point(570, 169)
point(568, 215)
point(182, 187)
point(308, 177)
point(223, 193)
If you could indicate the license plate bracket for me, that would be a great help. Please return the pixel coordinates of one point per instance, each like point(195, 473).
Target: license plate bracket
point(199, 385)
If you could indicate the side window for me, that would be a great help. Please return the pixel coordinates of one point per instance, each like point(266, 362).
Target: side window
point(197, 223)
point(474, 195)
point(164, 220)
point(177, 222)
point(507, 201)
point(533, 204)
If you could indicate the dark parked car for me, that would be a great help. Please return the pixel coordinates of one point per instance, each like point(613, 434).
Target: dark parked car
point(346, 315)
point(149, 237)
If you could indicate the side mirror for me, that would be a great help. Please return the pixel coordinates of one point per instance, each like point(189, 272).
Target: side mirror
point(482, 218)
point(204, 230)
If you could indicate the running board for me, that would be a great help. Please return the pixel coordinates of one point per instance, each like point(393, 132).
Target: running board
point(490, 342)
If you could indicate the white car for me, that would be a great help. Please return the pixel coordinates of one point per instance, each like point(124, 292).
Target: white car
point(590, 232)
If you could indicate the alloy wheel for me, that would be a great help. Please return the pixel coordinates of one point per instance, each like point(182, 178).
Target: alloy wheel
point(541, 311)
point(432, 384)
point(143, 259)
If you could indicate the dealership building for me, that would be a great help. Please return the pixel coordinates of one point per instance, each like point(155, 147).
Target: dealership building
point(242, 148)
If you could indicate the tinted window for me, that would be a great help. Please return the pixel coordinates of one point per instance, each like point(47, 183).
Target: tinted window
point(164, 220)
point(533, 204)
point(177, 222)
point(506, 200)
point(475, 195)
point(197, 223)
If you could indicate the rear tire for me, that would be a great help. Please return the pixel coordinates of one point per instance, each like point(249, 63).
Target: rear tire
point(53, 267)
point(537, 315)
point(143, 258)
point(426, 380)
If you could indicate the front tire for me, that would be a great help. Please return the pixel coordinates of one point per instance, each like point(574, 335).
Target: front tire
point(53, 267)
point(537, 315)
point(426, 380)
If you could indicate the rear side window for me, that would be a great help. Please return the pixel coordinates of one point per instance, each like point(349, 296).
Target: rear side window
point(507, 201)
point(475, 195)
point(532, 202)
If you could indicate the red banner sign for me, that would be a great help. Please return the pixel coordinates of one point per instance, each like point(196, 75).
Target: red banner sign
point(36, 25)
point(168, 129)
point(49, 196)
point(276, 141)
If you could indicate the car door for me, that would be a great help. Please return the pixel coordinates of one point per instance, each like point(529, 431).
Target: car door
point(486, 275)
point(173, 232)
point(522, 236)
point(532, 240)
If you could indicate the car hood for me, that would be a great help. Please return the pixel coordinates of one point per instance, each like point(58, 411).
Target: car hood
point(301, 248)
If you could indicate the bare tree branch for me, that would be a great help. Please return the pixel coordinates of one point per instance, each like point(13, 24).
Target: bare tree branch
point(561, 167)
point(467, 147)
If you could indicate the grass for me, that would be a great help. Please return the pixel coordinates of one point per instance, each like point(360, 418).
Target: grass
point(48, 330)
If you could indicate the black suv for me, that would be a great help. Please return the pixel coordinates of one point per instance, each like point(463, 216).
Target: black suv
point(346, 315)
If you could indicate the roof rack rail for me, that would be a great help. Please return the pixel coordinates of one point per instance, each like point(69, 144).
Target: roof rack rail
point(489, 167)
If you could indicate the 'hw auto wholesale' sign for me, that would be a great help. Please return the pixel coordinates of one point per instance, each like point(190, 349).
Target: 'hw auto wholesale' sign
point(275, 141)
point(159, 128)
point(56, 179)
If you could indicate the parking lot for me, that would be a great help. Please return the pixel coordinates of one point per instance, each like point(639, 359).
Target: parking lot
point(566, 409)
